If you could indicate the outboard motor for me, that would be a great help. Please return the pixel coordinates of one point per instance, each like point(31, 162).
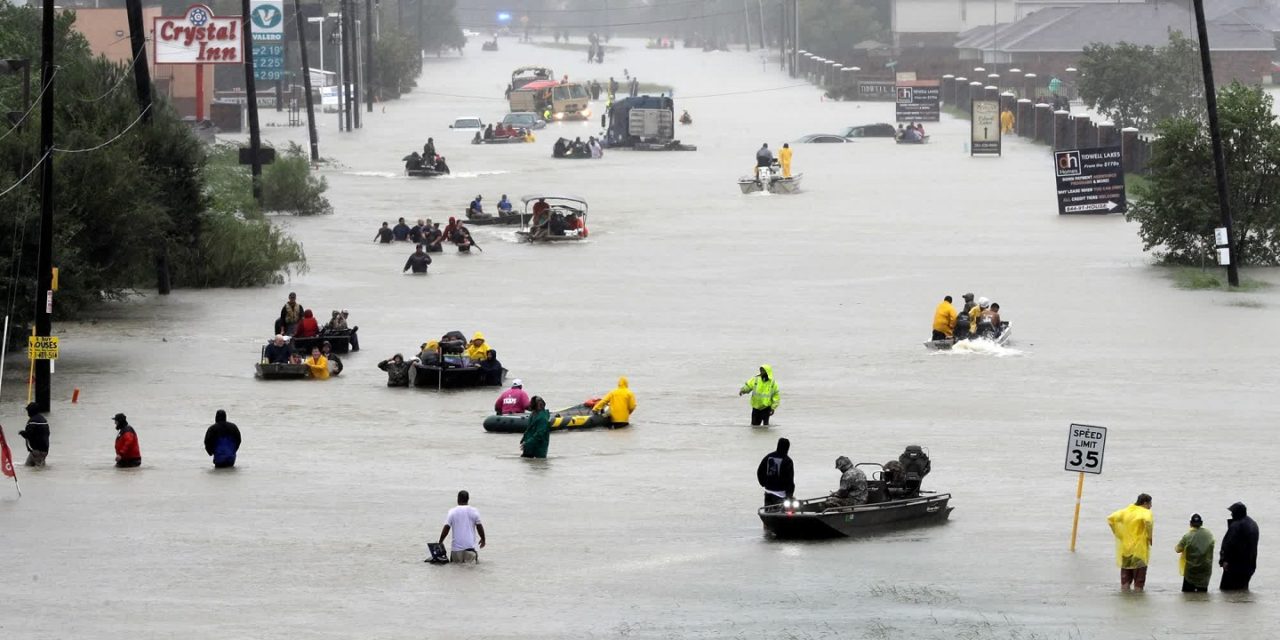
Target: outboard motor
point(915, 466)
point(962, 326)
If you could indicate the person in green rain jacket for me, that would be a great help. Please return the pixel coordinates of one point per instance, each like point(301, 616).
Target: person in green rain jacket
point(537, 436)
point(1196, 563)
point(764, 395)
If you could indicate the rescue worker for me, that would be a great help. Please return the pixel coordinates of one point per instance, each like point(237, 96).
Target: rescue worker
point(944, 320)
point(418, 261)
point(853, 485)
point(621, 403)
point(429, 150)
point(966, 314)
point(764, 158)
point(397, 371)
point(222, 441)
point(1239, 555)
point(476, 208)
point(975, 315)
point(477, 350)
point(36, 434)
point(318, 364)
point(537, 436)
point(764, 395)
point(512, 401)
point(1196, 561)
point(1132, 526)
point(776, 474)
point(784, 158)
point(1006, 121)
point(290, 315)
point(504, 205)
point(429, 353)
point(127, 452)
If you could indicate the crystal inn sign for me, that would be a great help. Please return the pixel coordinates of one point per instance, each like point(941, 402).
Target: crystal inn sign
point(199, 37)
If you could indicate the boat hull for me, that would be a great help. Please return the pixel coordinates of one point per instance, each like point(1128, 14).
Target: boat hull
point(515, 218)
point(265, 371)
point(844, 522)
point(338, 342)
point(437, 377)
point(424, 173)
point(1006, 332)
point(775, 185)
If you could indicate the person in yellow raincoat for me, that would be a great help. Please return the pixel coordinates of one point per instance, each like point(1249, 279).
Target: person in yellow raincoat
point(318, 364)
point(764, 395)
point(1133, 527)
point(1006, 121)
point(784, 159)
point(944, 320)
point(621, 403)
point(477, 349)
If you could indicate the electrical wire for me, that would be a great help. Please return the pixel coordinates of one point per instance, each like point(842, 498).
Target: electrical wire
point(629, 24)
point(117, 136)
point(34, 104)
point(128, 71)
point(13, 186)
point(738, 93)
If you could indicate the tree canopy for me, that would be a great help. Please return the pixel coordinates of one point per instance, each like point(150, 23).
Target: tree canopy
point(1140, 86)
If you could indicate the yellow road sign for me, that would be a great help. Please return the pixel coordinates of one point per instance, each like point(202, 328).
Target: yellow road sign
point(42, 348)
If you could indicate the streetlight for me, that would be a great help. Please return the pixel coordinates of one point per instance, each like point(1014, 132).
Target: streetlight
point(319, 21)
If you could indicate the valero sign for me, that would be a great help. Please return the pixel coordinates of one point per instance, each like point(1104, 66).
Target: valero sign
point(199, 37)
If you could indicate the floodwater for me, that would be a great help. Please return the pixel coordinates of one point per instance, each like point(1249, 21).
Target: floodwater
point(685, 286)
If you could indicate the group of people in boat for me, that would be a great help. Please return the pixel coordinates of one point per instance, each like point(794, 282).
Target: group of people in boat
point(564, 148)
point(913, 132)
point(502, 131)
point(548, 221)
point(321, 361)
point(899, 479)
point(765, 160)
point(451, 350)
point(428, 159)
point(298, 322)
point(979, 319)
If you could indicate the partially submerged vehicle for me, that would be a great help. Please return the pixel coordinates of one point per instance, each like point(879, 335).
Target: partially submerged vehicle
point(467, 123)
point(877, 130)
point(524, 120)
point(531, 73)
point(1000, 338)
point(821, 138)
point(894, 500)
point(553, 219)
point(770, 179)
point(644, 123)
point(575, 418)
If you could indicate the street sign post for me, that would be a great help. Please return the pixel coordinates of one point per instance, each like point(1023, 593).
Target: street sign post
point(1090, 180)
point(1085, 447)
point(984, 129)
point(918, 101)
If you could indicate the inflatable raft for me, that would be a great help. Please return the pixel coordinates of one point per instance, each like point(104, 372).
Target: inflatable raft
point(574, 418)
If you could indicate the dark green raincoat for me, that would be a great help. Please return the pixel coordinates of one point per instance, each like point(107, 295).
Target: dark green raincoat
point(537, 436)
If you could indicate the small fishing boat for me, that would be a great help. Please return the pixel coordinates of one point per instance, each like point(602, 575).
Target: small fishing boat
point(339, 341)
point(564, 219)
point(438, 377)
point(501, 218)
point(813, 519)
point(425, 172)
point(574, 418)
point(264, 370)
point(1000, 339)
point(770, 179)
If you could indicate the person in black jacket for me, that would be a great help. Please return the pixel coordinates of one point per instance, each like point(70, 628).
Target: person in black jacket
point(777, 475)
point(1239, 554)
point(222, 441)
point(37, 436)
point(418, 261)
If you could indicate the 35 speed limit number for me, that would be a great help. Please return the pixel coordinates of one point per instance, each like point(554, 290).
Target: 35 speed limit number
point(1085, 446)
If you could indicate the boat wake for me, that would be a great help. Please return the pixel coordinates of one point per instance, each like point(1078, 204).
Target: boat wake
point(374, 174)
point(979, 347)
point(471, 174)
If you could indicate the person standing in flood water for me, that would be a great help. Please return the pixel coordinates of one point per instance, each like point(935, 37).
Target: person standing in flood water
point(537, 436)
point(1196, 561)
point(765, 395)
point(464, 522)
point(222, 441)
point(36, 435)
point(128, 454)
point(1133, 528)
point(1239, 555)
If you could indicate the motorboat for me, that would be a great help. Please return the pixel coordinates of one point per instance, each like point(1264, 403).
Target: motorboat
point(503, 136)
point(894, 500)
point(553, 219)
point(425, 172)
point(339, 341)
point(486, 219)
point(264, 370)
point(574, 418)
point(999, 339)
point(449, 376)
point(770, 179)
point(813, 518)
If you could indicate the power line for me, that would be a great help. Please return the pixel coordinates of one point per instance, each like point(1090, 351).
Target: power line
point(24, 178)
point(127, 72)
point(117, 136)
point(738, 93)
point(34, 103)
point(629, 24)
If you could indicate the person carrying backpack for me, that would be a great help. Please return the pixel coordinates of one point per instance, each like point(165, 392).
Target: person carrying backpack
point(222, 441)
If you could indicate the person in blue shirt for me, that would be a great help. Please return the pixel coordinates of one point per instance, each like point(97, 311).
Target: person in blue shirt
point(476, 209)
point(401, 231)
point(504, 205)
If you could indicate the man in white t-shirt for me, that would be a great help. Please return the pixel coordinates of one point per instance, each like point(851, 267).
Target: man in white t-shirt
point(464, 521)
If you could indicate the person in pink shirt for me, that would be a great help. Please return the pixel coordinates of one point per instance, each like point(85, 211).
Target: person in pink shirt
point(513, 400)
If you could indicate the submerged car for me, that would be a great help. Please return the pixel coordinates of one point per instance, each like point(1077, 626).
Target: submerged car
point(878, 130)
point(821, 138)
point(524, 120)
point(467, 123)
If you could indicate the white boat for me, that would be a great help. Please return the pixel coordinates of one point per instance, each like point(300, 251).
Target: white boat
point(770, 179)
point(1000, 340)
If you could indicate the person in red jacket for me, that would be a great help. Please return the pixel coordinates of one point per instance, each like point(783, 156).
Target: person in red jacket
point(127, 452)
point(307, 327)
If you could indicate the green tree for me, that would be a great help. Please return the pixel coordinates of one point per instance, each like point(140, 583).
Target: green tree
point(397, 64)
point(1177, 209)
point(1140, 86)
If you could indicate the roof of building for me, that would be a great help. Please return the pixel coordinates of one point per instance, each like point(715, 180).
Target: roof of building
point(1071, 29)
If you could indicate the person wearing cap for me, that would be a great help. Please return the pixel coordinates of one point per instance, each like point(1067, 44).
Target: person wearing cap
point(277, 352)
point(966, 313)
point(621, 403)
point(222, 441)
point(477, 350)
point(764, 395)
point(537, 436)
point(1239, 555)
point(127, 452)
point(290, 315)
point(429, 353)
point(475, 208)
point(513, 400)
point(777, 474)
point(397, 371)
point(853, 485)
point(1196, 561)
point(1133, 528)
point(36, 435)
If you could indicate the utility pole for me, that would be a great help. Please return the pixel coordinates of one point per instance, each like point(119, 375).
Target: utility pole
point(764, 41)
point(356, 59)
point(347, 25)
point(138, 42)
point(746, 24)
point(368, 54)
point(44, 262)
point(784, 29)
point(1215, 136)
point(251, 102)
point(795, 31)
point(306, 78)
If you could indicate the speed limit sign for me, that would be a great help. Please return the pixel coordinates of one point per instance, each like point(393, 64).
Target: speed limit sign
point(1085, 446)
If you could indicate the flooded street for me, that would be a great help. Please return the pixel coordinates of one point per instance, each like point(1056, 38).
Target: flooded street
point(686, 287)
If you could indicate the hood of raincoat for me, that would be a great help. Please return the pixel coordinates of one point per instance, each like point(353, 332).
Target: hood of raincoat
point(768, 370)
point(1238, 510)
point(477, 336)
point(843, 463)
point(622, 382)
